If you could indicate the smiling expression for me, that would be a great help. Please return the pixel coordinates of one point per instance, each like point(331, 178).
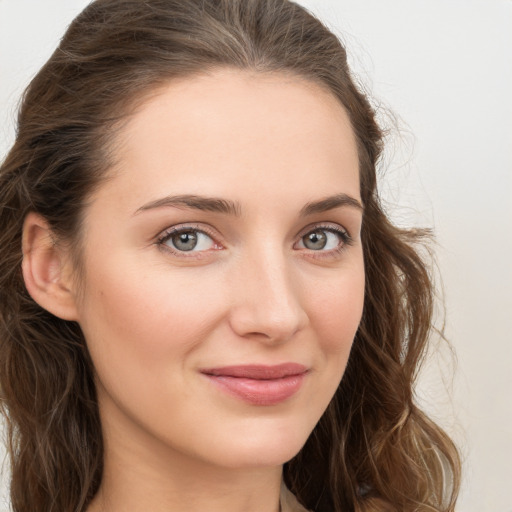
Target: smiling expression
point(223, 269)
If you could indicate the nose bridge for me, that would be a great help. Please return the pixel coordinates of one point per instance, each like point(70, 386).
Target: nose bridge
point(266, 301)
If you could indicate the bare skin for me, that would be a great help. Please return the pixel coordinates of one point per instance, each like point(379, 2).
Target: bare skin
point(175, 284)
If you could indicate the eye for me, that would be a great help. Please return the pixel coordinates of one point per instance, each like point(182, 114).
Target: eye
point(187, 240)
point(324, 239)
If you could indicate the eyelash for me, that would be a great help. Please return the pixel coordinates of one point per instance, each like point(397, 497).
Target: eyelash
point(343, 234)
point(175, 230)
point(345, 240)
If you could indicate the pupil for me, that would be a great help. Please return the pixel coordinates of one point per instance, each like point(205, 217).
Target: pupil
point(185, 241)
point(316, 240)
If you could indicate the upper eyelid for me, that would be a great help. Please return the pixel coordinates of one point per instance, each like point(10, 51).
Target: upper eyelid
point(216, 237)
point(164, 236)
point(209, 231)
point(339, 231)
point(334, 226)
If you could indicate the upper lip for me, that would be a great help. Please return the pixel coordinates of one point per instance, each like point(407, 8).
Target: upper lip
point(257, 371)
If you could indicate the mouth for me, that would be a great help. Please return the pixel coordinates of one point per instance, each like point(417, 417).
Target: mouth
point(258, 384)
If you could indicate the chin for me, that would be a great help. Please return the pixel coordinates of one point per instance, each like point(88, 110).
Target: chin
point(259, 448)
point(261, 458)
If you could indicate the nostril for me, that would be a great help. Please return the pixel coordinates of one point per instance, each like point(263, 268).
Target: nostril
point(271, 326)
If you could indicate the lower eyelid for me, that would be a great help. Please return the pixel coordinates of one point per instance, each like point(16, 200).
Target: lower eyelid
point(344, 240)
point(167, 234)
point(343, 234)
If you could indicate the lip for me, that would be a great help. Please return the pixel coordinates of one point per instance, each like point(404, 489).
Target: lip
point(259, 384)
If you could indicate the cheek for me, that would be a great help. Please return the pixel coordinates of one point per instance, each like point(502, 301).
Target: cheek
point(336, 312)
point(145, 318)
point(141, 329)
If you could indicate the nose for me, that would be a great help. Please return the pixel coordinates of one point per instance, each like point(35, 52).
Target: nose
point(266, 301)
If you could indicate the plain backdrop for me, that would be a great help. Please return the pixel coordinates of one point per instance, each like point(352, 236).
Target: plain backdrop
point(440, 74)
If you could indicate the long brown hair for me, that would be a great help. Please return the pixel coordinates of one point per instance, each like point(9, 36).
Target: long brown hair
point(373, 449)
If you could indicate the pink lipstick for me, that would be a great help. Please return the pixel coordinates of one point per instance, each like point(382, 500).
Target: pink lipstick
point(259, 384)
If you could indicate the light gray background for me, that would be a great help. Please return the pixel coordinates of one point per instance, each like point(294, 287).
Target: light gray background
point(444, 68)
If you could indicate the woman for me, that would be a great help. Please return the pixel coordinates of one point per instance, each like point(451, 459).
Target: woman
point(203, 305)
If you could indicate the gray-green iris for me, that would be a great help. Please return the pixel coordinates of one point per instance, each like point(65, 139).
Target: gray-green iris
point(185, 241)
point(315, 241)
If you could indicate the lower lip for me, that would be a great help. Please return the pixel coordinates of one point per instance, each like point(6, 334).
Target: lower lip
point(258, 391)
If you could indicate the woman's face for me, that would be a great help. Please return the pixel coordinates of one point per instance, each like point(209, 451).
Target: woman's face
point(224, 276)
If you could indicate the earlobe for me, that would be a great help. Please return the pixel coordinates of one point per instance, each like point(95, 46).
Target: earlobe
point(46, 269)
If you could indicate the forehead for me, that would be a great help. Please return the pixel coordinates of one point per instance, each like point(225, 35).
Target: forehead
point(229, 129)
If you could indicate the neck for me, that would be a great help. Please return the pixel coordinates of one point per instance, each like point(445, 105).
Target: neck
point(148, 475)
point(139, 489)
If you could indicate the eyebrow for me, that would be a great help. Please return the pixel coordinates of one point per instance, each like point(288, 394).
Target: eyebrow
point(226, 206)
point(207, 204)
point(330, 203)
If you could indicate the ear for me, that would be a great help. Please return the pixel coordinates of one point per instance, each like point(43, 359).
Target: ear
point(47, 269)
